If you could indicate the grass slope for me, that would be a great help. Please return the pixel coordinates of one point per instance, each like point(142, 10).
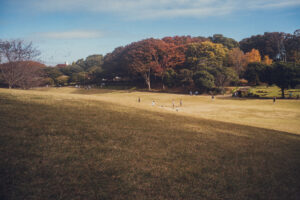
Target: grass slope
point(283, 115)
point(67, 147)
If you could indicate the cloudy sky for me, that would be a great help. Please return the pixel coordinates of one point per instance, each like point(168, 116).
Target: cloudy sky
point(67, 30)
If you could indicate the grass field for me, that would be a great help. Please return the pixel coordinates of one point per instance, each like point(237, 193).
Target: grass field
point(71, 143)
point(274, 91)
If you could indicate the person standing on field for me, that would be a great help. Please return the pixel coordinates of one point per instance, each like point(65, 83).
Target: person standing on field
point(153, 103)
point(274, 100)
point(139, 99)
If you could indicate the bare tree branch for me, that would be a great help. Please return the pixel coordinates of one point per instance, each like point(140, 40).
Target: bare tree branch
point(12, 56)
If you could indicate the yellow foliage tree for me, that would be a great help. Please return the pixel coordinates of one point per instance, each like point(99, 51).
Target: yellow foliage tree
point(253, 56)
point(267, 60)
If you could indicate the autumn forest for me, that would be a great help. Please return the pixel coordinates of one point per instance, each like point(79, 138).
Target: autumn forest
point(207, 64)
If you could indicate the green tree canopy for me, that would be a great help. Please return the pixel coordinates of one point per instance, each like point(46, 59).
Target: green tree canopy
point(204, 81)
point(225, 41)
point(205, 55)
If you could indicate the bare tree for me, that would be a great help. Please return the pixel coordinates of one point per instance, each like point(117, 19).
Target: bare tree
point(32, 74)
point(12, 55)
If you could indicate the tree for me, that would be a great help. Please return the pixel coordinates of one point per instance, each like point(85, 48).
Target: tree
point(183, 40)
point(292, 47)
point(142, 58)
point(268, 44)
point(32, 74)
point(253, 73)
point(115, 63)
point(285, 76)
point(205, 55)
point(225, 41)
point(62, 80)
point(71, 69)
point(170, 77)
point(223, 76)
point(253, 56)
point(52, 72)
point(267, 60)
point(93, 61)
point(237, 60)
point(79, 78)
point(185, 76)
point(12, 54)
point(204, 81)
point(170, 55)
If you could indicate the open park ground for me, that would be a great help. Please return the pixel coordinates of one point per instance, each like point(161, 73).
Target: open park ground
point(69, 143)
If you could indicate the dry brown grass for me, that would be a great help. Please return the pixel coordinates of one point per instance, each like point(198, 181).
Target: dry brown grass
point(64, 145)
point(284, 115)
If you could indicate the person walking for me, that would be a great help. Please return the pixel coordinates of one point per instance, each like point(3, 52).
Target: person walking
point(274, 100)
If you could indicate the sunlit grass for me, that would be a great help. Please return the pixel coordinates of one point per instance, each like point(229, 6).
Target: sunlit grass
point(283, 115)
point(98, 144)
point(274, 91)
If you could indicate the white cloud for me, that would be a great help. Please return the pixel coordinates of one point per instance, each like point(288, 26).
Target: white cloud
point(75, 34)
point(140, 9)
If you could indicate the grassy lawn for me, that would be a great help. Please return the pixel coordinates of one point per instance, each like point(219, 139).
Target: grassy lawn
point(283, 115)
point(274, 91)
point(101, 144)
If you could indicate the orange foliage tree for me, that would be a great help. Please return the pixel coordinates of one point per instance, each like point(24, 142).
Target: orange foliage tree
point(253, 56)
point(267, 60)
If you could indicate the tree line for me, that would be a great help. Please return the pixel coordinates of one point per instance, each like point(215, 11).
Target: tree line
point(207, 64)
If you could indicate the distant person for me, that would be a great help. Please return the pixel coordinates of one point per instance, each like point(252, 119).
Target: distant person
point(212, 97)
point(191, 93)
point(196, 93)
point(180, 103)
point(173, 104)
point(139, 99)
point(274, 100)
point(153, 103)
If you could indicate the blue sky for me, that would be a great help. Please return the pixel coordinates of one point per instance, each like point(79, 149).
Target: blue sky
point(67, 30)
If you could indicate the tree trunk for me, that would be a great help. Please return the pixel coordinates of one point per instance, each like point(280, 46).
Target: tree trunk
point(282, 93)
point(148, 83)
point(147, 80)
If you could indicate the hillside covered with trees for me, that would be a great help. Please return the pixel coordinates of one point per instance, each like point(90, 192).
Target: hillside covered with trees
point(205, 64)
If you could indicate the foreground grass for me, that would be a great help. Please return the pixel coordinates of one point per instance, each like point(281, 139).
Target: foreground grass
point(72, 147)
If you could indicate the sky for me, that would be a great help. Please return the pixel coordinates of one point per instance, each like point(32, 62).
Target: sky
point(68, 30)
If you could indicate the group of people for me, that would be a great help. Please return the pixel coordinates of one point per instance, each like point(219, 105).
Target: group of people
point(173, 102)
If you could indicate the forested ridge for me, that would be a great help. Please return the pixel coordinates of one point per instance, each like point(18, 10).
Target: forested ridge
point(207, 64)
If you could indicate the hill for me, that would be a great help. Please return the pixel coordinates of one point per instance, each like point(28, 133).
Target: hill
point(82, 145)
